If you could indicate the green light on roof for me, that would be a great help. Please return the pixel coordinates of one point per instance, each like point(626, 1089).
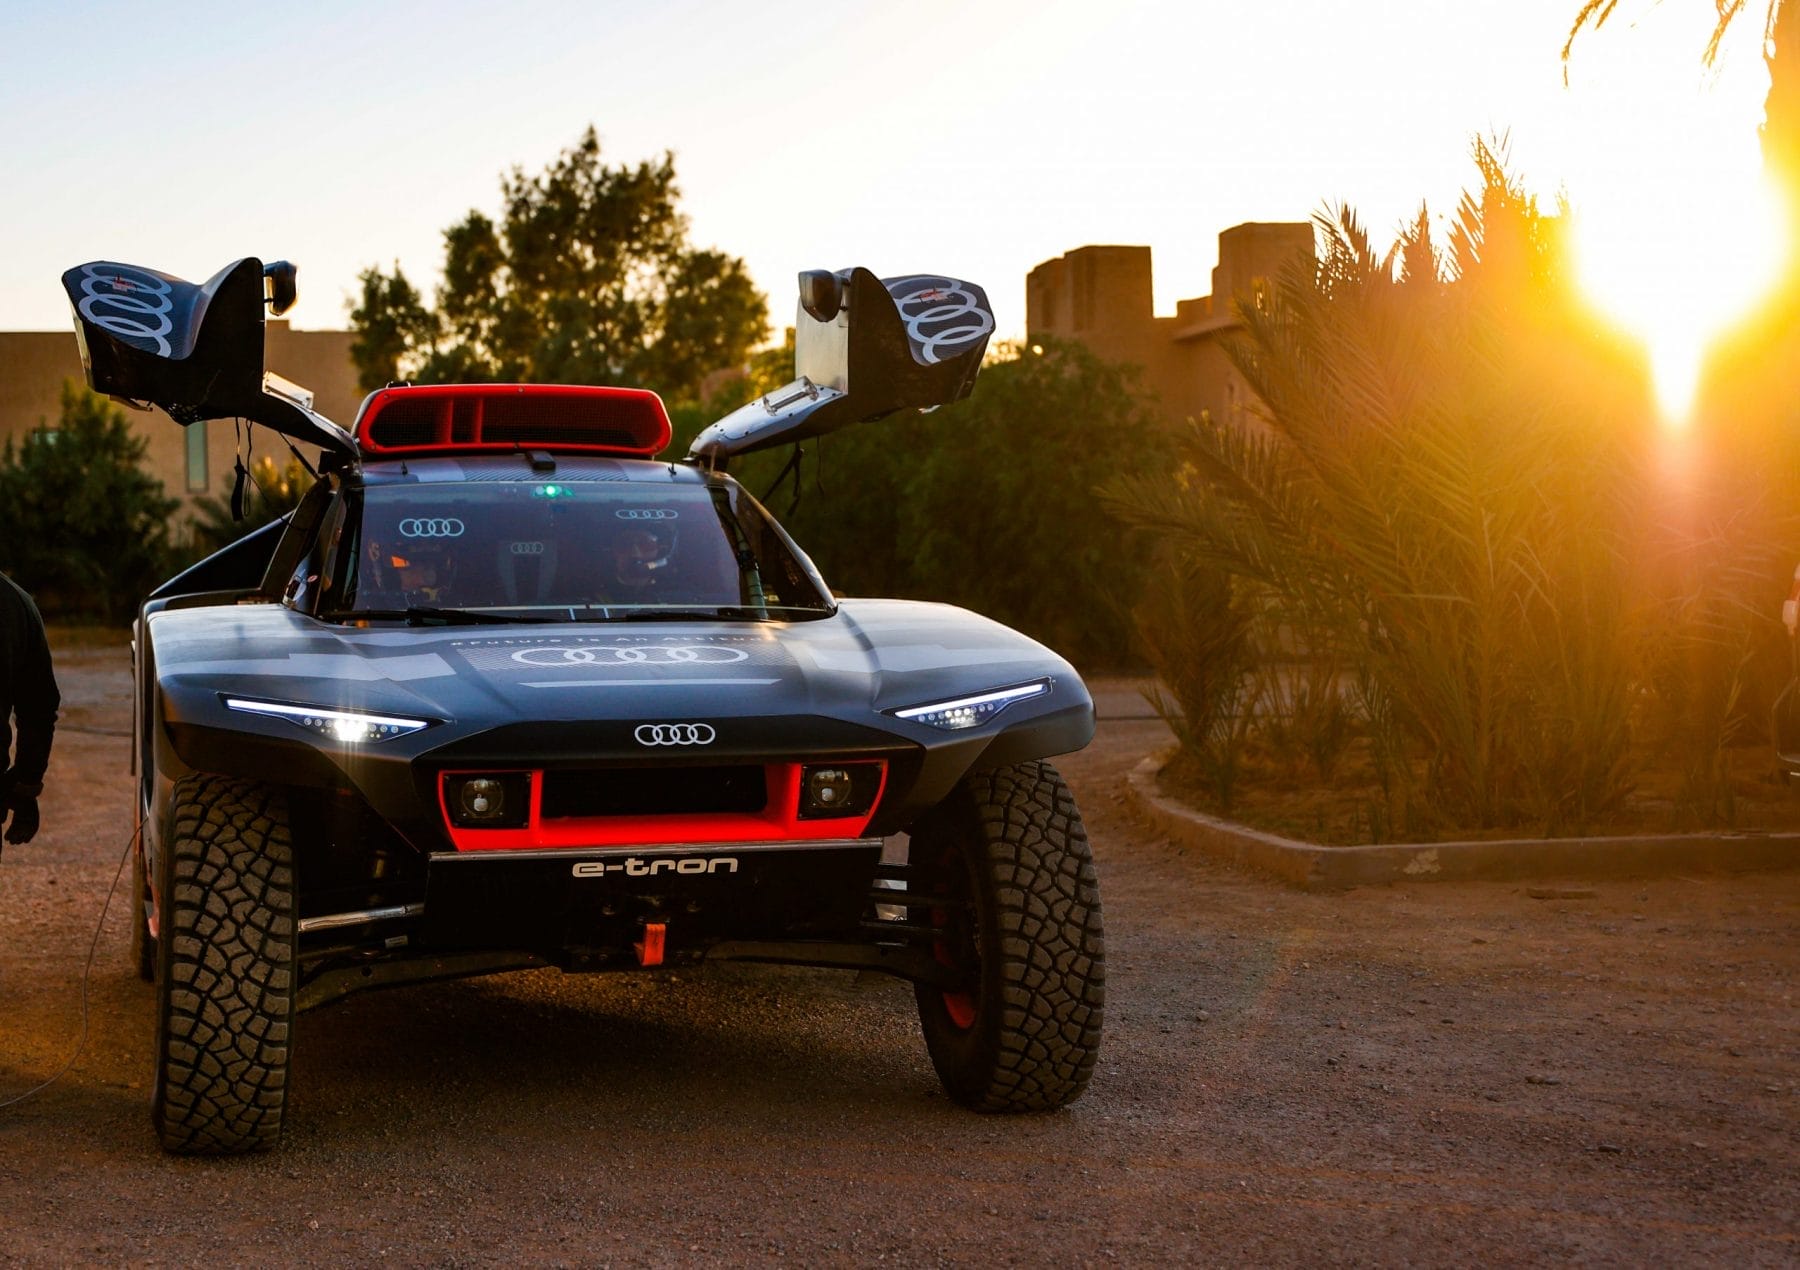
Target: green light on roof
point(550, 491)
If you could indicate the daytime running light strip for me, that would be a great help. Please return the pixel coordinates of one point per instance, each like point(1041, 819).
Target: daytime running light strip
point(1003, 695)
point(311, 712)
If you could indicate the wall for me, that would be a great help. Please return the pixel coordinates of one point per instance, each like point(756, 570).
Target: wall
point(34, 364)
point(1103, 296)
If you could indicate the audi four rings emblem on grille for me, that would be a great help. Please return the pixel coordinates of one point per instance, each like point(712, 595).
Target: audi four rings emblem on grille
point(674, 734)
point(431, 527)
point(646, 513)
point(528, 548)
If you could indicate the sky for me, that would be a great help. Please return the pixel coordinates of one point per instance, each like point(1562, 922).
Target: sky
point(976, 138)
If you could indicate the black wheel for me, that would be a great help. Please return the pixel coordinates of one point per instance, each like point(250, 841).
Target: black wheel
point(225, 969)
point(143, 943)
point(1021, 921)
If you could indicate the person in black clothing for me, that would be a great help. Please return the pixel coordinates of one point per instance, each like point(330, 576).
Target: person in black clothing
point(27, 691)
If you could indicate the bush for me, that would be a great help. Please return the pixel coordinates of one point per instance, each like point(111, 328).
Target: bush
point(82, 526)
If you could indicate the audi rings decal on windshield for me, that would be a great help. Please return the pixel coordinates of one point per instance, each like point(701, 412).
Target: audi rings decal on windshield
point(647, 513)
point(630, 655)
point(528, 548)
point(129, 303)
point(942, 316)
point(674, 734)
point(431, 527)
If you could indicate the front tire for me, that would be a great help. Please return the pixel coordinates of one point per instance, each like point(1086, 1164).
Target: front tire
point(1021, 920)
point(225, 969)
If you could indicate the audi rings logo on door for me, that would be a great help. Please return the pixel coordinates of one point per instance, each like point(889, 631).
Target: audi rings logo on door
point(431, 527)
point(130, 303)
point(647, 513)
point(546, 655)
point(674, 734)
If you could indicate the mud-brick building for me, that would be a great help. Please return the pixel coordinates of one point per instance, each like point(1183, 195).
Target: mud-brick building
point(188, 461)
point(1102, 296)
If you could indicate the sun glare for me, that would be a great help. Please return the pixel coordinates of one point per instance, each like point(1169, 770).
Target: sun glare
point(1678, 232)
point(1677, 266)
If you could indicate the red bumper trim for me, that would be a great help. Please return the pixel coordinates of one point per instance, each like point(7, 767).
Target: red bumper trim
point(779, 821)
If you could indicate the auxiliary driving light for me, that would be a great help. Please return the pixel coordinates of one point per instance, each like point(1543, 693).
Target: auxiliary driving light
point(846, 789)
point(493, 800)
point(483, 799)
point(827, 788)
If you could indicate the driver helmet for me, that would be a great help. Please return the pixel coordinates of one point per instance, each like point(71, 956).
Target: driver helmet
point(641, 551)
point(418, 569)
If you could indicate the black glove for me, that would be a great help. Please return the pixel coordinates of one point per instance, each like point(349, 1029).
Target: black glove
point(22, 821)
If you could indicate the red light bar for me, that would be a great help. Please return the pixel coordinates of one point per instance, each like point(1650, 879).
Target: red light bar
point(464, 418)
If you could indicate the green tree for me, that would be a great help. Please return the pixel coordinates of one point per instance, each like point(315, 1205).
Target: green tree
point(989, 503)
point(768, 369)
point(586, 277)
point(82, 526)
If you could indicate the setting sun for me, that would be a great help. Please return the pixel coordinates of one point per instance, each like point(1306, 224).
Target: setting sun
point(1678, 232)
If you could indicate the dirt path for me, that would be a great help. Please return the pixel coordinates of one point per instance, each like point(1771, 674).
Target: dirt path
point(1426, 1073)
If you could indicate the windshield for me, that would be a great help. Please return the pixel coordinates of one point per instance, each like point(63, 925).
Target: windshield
point(569, 550)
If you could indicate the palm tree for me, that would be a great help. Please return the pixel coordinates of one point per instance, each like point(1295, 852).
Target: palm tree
point(1781, 51)
point(1594, 13)
point(1435, 503)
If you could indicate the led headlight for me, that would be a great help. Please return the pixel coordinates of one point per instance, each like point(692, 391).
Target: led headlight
point(968, 712)
point(351, 726)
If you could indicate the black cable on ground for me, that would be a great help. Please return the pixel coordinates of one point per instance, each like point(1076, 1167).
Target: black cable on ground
point(86, 973)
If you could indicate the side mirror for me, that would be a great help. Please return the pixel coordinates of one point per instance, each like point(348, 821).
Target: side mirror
point(280, 288)
point(821, 294)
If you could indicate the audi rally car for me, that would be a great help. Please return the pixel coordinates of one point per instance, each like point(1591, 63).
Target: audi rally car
point(508, 690)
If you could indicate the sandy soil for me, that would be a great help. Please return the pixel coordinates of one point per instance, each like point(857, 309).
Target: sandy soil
point(1597, 1072)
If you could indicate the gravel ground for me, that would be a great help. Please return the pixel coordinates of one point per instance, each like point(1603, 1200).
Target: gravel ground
point(1452, 1072)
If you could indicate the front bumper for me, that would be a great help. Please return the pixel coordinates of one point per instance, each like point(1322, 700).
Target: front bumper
point(822, 903)
point(598, 901)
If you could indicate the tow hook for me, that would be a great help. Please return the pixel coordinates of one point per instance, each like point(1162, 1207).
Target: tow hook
point(650, 948)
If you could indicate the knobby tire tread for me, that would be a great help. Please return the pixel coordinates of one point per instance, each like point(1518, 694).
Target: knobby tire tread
point(1037, 1052)
point(226, 996)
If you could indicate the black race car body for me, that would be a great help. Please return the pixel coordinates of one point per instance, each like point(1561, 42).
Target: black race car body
point(507, 691)
point(650, 741)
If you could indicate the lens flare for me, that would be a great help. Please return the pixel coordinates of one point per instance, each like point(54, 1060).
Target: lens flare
point(1678, 264)
point(1678, 232)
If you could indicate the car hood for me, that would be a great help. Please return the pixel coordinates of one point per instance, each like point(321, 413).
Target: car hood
point(871, 656)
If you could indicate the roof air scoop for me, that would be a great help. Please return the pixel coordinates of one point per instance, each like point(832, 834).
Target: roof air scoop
point(864, 348)
point(540, 420)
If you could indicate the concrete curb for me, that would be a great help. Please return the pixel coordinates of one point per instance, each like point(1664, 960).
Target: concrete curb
point(1316, 868)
